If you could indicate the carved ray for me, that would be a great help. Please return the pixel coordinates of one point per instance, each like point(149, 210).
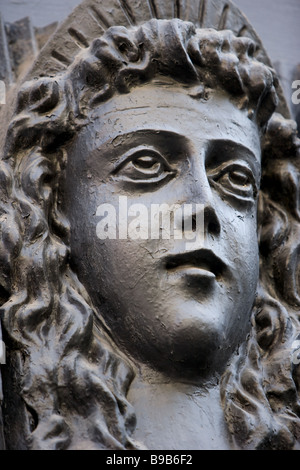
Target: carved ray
point(100, 17)
point(188, 10)
point(78, 37)
point(202, 12)
point(138, 10)
point(177, 9)
point(242, 31)
point(223, 18)
point(153, 8)
point(128, 11)
point(61, 58)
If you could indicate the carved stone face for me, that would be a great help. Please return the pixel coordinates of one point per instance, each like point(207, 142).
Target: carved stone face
point(179, 309)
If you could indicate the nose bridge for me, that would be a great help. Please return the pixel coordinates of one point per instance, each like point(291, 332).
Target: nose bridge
point(200, 197)
point(198, 190)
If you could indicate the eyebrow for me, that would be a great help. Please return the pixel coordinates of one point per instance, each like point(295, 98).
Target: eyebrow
point(149, 132)
point(220, 149)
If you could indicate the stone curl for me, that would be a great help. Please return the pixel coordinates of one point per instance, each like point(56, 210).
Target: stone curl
point(53, 109)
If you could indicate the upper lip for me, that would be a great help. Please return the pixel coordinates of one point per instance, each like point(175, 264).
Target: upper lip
point(202, 259)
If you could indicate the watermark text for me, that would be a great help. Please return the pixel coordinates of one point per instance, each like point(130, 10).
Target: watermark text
point(296, 94)
point(159, 221)
point(2, 92)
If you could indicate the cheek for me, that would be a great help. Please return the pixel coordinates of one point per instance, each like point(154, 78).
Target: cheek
point(248, 256)
point(242, 250)
point(125, 270)
point(240, 245)
point(248, 239)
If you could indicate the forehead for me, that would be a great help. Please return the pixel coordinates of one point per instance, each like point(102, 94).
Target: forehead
point(175, 110)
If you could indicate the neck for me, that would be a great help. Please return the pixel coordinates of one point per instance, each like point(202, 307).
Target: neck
point(175, 415)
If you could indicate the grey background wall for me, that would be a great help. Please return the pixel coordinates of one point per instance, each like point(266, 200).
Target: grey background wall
point(276, 21)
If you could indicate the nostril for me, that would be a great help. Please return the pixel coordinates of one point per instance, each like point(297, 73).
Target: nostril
point(201, 221)
point(211, 221)
point(213, 228)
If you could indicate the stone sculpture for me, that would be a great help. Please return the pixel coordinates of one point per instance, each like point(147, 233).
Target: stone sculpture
point(133, 341)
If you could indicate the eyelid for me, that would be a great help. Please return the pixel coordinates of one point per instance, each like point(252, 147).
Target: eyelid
point(216, 173)
point(140, 151)
point(236, 165)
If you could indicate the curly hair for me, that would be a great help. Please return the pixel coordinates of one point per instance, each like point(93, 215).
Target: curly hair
point(260, 389)
point(67, 371)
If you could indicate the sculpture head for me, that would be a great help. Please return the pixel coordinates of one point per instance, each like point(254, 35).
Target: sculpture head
point(160, 113)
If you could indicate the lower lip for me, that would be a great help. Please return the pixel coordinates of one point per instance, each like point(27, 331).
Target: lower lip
point(193, 271)
point(197, 279)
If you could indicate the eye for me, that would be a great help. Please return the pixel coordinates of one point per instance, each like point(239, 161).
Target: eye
point(143, 165)
point(149, 165)
point(235, 180)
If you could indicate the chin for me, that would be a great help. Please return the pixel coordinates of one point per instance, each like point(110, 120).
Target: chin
point(194, 350)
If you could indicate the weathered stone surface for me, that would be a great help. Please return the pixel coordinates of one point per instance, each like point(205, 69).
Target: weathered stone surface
point(5, 65)
point(124, 331)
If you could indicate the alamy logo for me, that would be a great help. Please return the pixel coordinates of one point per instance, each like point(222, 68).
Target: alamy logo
point(2, 353)
point(296, 94)
point(2, 92)
point(296, 352)
point(160, 221)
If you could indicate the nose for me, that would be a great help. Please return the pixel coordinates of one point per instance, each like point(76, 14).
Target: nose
point(200, 205)
point(199, 219)
point(211, 221)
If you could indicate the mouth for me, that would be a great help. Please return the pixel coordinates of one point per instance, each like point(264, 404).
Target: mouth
point(200, 263)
